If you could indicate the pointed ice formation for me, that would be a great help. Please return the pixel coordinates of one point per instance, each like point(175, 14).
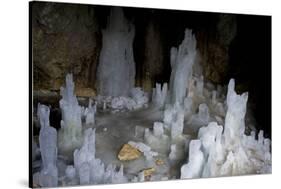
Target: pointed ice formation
point(159, 95)
point(48, 176)
point(201, 118)
point(70, 134)
point(182, 60)
point(177, 124)
point(235, 116)
point(91, 170)
point(194, 167)
point(90, 112)
point(116, 69)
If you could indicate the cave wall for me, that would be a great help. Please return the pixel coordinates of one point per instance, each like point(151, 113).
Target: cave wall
point(65, 38)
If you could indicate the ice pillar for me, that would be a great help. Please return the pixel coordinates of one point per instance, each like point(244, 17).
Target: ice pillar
point(48, 176)
point(70, 135)
point(235, 116)
point(182, 60)
point(116, 69)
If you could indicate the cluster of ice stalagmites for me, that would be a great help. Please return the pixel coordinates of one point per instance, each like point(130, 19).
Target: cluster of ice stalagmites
point(48, 176)
point(228, 151)
point(116, 69)
point(70, 134)
point(200, 108)
point(167, 136)
point(88, 169)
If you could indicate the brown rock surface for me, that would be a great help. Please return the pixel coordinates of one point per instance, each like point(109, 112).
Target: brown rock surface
point(128, 152)
point(65, 40)
point(149, 171)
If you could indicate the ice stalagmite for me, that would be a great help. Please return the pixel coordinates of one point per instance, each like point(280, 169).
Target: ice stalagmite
point(116, 69)
point(196, 161)
point(159, 95)
point(91, 170)
point(70, 134)
point(182, 60)
point(90, 112)
point(235, 116)
point(48, 176)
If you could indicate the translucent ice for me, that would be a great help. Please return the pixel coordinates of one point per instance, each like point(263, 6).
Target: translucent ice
point(231, 152)
point(177, 125)
point(70, 176)
point(173, 155)
point(90, 112)
point(92, 170)
point(139, 96)
point(158, 129)
point(159, 95)
point(145, 149)
point(48, 176)
point(157, 139)
point(137, 99)
point(235, 116)
point(201, 118)
point(182, 60)
point(116, 69)
point(194, 167)
point(70, 134)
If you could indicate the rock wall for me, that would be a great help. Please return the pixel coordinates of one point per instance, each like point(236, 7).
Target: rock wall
point(214, 44)
point(66, 38)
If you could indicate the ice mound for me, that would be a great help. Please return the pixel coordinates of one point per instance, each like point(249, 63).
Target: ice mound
point(116, 68)
point(70, 134)
point(48, 176)
point(145, 149)
point(137, 99)
point(201, 118)
point(157, 139)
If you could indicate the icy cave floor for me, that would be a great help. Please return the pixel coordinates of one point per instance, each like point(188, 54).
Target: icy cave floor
point(113, 130)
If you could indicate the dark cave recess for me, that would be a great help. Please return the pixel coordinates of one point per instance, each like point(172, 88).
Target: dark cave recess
point(67, 38)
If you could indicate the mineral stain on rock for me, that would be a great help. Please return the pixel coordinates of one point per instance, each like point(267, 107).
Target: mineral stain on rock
point(128, 152)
